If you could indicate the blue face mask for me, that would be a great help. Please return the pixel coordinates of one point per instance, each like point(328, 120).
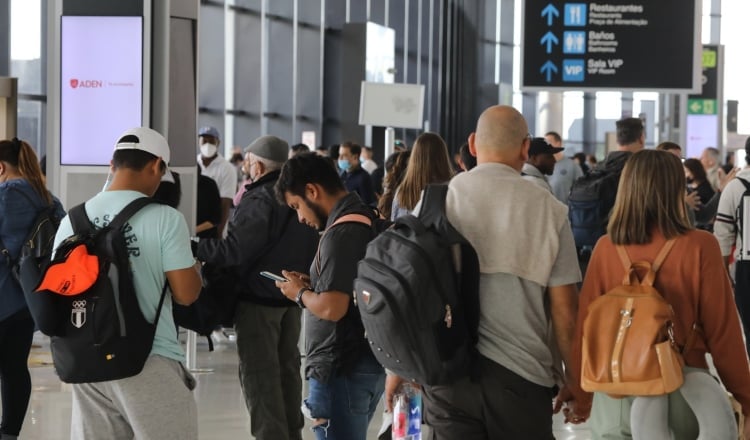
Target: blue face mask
point(344, 165)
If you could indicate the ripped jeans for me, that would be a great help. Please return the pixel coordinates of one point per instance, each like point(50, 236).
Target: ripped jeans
point(347, 402)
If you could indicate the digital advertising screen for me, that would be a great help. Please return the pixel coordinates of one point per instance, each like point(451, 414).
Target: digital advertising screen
point(101, 85)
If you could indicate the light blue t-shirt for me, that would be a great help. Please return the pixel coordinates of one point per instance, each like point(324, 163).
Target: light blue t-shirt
point(158, 241)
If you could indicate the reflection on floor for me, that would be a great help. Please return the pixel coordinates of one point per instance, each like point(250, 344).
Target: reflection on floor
point(221, 409)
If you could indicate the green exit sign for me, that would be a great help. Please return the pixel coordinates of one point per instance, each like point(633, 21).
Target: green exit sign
point(702, 107)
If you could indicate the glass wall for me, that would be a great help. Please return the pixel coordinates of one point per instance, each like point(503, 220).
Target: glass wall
point(26, 49)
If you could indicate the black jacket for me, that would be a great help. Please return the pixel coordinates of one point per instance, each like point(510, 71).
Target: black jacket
point(262, 235)
point(360, 182)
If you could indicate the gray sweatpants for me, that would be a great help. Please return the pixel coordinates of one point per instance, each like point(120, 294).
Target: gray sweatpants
point(158, 403)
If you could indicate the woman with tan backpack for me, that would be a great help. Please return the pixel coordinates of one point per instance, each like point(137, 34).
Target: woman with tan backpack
point(656, 297)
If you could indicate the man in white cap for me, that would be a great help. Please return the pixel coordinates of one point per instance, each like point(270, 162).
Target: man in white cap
point(213, 165)
point(265, 236)
point(157, 402)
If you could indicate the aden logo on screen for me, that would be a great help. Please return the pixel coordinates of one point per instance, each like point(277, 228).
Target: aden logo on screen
point(86, 83)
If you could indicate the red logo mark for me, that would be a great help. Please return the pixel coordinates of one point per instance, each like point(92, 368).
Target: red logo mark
point(74, 83)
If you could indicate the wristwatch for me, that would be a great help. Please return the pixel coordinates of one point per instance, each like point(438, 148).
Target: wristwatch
point(299, 297)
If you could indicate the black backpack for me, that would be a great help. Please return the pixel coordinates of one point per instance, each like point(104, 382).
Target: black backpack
point(589, 204)
point(101, 333)
point(216, 304)
point(36, 249)
point(419, 313)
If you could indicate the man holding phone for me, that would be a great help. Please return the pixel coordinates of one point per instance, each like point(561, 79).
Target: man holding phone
point(345, 380)
point(264, 236)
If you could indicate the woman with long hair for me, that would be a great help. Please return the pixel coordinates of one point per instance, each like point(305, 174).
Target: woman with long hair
point(395, 167)
point(649, 212)
point(697, 180)
point(429, 163)
point(23, 194)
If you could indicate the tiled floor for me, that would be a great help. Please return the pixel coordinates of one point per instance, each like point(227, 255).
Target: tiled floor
point(221, 410)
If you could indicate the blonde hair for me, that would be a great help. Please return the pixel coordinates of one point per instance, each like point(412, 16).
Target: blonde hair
point(429, 163)
point(650, 195)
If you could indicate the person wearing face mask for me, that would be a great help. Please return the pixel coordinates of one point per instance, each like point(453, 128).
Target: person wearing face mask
point(355, 178)
point(213, 165)
point(264, 235)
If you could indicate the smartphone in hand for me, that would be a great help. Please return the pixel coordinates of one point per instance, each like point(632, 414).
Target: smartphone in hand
point(273, 276)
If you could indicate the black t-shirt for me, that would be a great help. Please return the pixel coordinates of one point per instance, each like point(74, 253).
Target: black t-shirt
point(333, 347)
point(208, 206)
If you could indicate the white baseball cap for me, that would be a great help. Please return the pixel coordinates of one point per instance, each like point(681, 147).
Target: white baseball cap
point(144, 139)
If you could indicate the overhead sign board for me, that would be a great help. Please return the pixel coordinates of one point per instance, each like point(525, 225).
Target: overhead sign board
point(613, 45)
point(705, 102)
point(704, 110)
point(391, 105)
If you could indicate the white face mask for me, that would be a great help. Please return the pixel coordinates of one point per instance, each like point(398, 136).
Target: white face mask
point(208, 150)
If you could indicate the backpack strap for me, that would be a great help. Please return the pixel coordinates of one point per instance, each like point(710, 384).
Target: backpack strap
point(738, 223)
point(129, 210)
point(348, 218)
point(79, 218)
point(4, 250)
point(745, 183)
point(648, 280)
point(432, 210)
point(662, 255)
point(351, 218)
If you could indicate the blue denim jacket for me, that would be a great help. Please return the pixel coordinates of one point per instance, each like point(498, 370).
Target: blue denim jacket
point(17, 216)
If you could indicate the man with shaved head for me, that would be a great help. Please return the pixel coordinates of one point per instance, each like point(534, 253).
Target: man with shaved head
point(528, 295)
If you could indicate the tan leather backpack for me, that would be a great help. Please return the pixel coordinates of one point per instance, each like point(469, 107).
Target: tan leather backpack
point(628, 345)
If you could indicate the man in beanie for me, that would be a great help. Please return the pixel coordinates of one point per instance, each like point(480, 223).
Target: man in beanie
point(729, 221)
point(264, 235)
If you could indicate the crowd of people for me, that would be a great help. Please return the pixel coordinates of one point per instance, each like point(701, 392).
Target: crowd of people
point(289, 210)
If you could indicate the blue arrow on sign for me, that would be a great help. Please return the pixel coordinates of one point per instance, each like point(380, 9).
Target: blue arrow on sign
point(548, 69)
point(551, 12)
point(549, 39)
